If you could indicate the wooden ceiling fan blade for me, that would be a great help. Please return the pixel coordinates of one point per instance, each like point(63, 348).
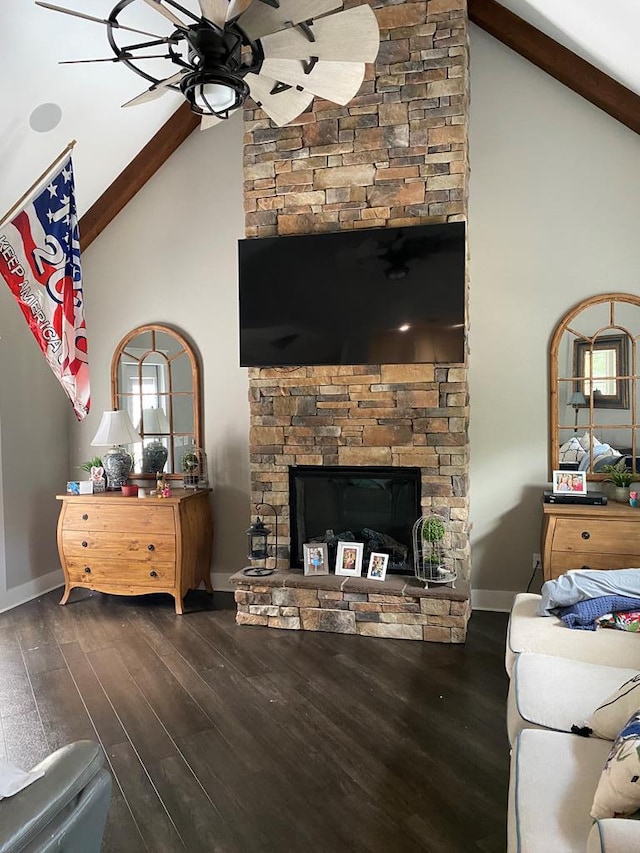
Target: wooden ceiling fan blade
point(236, 8)
point(92, 18)
point(351, 36)
point(209, 121)
point(167, 13)
point(260, 19)
point(155, 91)
point(281, 107)
point(335, 81)
point(214, 11)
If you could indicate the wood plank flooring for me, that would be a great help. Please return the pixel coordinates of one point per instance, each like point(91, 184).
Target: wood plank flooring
point(243, 740)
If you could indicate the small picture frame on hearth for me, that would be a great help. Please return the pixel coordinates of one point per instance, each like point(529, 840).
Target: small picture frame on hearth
point(377, 566)
point(316, 558)
point(349, 559)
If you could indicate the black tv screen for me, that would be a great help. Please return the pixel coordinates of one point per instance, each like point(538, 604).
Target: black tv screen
point(379, 296)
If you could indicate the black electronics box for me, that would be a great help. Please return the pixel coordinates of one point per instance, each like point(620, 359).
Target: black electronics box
point(590, 498)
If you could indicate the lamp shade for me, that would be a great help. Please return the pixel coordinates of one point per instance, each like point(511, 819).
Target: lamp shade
point(115, 428)
point(154, 422)
point(577, 399)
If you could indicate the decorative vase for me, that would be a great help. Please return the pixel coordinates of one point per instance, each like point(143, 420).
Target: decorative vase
point(621, 494)
point(154, 457)
point(117, 463)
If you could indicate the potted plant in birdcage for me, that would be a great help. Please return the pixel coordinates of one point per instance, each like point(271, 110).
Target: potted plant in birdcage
point(191, 468)
point(431, 563)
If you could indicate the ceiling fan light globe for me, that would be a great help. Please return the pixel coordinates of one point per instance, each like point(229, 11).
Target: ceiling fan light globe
point(214, 97)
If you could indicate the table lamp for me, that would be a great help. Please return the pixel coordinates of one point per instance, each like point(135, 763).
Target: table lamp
point(577, 400)
point(114, 431)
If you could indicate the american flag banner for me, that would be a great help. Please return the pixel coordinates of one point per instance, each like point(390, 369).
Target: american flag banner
point(40, 261)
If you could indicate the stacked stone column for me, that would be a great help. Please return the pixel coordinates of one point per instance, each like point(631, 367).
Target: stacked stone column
point(396, 155)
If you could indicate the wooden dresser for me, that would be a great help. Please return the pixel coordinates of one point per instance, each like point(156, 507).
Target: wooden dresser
point(133, 546)
point(575, 536)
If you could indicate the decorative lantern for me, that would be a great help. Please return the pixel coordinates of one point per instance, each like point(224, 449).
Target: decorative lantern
point(257, 536)
point(433, 562)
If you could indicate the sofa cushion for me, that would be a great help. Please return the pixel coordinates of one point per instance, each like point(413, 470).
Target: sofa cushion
point(618, 791)
point(528, 632)
point(614, 835)
point(556, 693)
point(553, 778)
point(614, 711)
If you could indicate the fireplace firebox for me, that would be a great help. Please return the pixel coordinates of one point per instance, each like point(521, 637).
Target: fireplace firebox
point(374, 505)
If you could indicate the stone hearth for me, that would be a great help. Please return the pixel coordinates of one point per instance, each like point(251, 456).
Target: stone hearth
point(397, 608)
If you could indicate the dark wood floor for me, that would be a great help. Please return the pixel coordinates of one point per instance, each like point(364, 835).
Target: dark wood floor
point(225, 738)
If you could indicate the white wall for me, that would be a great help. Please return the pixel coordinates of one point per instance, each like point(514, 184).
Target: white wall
point(34, 460)
point(170, 257)
point(554, 218)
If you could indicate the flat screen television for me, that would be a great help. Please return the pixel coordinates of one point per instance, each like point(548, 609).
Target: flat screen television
point(378, 296)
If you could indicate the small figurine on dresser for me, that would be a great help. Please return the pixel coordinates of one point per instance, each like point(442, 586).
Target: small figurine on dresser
point(97, 478)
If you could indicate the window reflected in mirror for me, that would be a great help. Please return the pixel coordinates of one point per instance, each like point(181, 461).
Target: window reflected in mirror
point(594, 387)
point(603, 364)
point(155, 378)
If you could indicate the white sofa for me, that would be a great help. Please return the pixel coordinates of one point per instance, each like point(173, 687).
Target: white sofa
point(558, 678)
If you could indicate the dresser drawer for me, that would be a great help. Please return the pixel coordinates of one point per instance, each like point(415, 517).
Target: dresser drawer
point(119, 573)
point(137, 518)
point(588, 536)
point(146, 548)
point(563, 561)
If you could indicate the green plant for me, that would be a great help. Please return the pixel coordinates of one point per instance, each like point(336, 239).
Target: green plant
point(433, 529)
point(619, 476)
point(96, 462)
point(190, 463)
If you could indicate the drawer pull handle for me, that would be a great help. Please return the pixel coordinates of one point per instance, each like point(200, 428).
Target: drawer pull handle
point(87, 570)
point(151, 547)
point(585, 534)
point(153, 574)
point(84, 544)
point(85, 517)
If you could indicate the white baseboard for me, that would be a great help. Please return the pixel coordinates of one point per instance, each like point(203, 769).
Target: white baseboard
point(32, 589)
point(492, 599)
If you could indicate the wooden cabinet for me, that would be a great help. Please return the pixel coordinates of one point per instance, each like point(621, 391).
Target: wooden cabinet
point(575, 536)
point(133, 546)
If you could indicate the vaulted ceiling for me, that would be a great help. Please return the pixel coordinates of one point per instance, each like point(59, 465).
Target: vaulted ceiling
point(108, 137)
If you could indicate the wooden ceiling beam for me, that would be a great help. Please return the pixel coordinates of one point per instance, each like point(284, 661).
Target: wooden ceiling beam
point(156, 152)
point(558, 61)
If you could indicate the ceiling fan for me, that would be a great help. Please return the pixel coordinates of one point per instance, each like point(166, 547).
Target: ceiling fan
point(281, 52)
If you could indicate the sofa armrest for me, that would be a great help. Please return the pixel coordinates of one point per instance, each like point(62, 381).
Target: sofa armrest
point(72, 795)
point(614, 835)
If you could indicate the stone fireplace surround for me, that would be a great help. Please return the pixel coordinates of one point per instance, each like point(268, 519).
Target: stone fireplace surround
point(394, 156)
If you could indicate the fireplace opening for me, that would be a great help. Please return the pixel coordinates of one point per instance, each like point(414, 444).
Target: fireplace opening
point(374, 505)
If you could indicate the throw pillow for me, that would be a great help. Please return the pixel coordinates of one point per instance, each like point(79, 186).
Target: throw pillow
point(611, 715)
point(584, 442)
point(571, 451)
point(618, 791)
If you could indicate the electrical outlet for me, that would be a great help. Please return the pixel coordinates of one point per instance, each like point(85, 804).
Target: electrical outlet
point(536, 562)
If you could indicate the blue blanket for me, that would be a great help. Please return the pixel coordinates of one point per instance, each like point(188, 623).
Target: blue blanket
point(585, 584)
point(583, 614)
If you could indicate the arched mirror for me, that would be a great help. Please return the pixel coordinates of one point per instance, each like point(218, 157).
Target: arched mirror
point(156, 379)
point(594, 386)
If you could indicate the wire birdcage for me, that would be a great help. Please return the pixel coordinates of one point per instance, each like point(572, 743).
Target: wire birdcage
point(194, 468)
point(433, 560)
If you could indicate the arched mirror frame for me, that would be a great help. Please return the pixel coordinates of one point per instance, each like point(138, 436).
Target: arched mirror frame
point(187, 349)
point(631, 376)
